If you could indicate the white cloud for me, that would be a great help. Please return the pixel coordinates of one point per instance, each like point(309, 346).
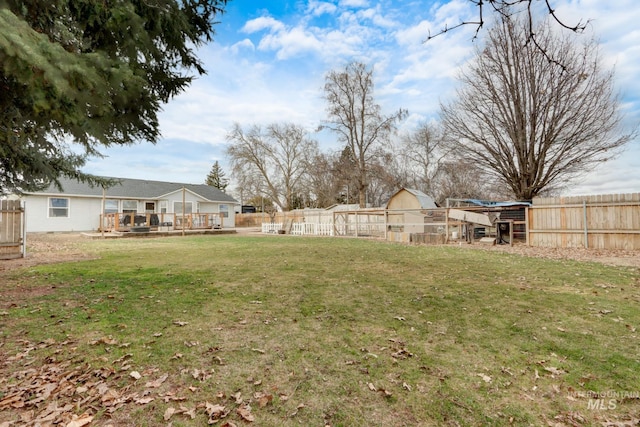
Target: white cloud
point(318, 8)
point(243, 44)
point(262, 23)
point(290, 43)
point(354, 3)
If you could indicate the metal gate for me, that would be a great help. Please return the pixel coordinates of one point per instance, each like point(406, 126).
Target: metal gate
point(12, 229)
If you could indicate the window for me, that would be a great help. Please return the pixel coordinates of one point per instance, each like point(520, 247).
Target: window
point(224, 211)
point(163, 206)
point(129, 206)
point(177, 208)
point(110, 206)
point(149, 207)
point(58, 207)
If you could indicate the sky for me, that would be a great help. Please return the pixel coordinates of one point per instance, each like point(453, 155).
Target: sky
point(269, 59)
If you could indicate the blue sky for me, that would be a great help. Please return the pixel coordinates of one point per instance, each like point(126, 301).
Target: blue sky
point(269, 58)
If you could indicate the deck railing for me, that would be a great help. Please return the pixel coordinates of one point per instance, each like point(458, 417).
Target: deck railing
point(161, 221)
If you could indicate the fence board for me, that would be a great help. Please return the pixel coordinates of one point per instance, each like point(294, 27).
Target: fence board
point(11, 229)
point(609, 221)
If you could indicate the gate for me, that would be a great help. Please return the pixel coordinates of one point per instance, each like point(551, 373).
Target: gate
point(12, 229)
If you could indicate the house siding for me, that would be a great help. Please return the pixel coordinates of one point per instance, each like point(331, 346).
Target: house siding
point(84, 214)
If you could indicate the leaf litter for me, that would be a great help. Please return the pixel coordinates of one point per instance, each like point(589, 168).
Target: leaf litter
point(66, 393)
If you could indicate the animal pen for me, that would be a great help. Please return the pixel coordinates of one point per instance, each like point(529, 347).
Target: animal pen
point(12, 230)
point(596, 222)
point(431, 226)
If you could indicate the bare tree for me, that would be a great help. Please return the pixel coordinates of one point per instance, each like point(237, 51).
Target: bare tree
point(422, 153)
point(528, 122)
point(356, 118)
point(385, 178)
point(509, 8)
point(456, 179)
point(277, 157)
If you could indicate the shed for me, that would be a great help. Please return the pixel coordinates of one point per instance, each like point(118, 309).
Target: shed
point(406, 210)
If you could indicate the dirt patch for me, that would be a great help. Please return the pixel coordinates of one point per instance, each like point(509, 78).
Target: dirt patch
point(614, 257)
point(48, 248)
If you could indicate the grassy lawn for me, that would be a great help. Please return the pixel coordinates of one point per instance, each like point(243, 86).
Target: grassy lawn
point(284, 331)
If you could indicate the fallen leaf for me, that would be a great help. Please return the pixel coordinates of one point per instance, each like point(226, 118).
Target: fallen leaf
point(144, 400)
point(215, 412)
point(372, 387)
point(109, 396)
point(135, 374)
point(385, 392)
point(157, 383)
point(169, 413)
point(402, 354)
point(245, 413)
point(189, 412)
point(485, 378)
point(554, 371)
point(180, 323)
point(263, 399)
point(104, 340)
point(406, 386)
point(79, 421)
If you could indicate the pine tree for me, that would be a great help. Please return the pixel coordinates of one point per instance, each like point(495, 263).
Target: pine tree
point(93, 72)
point(216, 177)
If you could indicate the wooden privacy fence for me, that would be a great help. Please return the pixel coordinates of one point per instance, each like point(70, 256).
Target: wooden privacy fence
point(12, 235)
point(597, 222)
point(257, 219)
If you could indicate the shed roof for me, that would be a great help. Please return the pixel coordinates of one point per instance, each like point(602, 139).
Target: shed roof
point(137, 189)
point(425, 201)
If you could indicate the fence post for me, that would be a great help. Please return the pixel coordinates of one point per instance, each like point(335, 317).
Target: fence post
point(23, 221)
point(527, 224)
point(586, 227)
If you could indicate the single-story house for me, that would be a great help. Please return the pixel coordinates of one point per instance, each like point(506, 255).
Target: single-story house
point(80, 207)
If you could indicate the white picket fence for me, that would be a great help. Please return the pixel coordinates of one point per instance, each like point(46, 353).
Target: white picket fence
point(326, 229)
point(312, 229)
point(271, 227)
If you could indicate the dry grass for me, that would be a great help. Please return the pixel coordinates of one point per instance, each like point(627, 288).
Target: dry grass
point(294, 331)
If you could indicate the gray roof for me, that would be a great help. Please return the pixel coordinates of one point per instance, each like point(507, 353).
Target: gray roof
point(137, 189)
